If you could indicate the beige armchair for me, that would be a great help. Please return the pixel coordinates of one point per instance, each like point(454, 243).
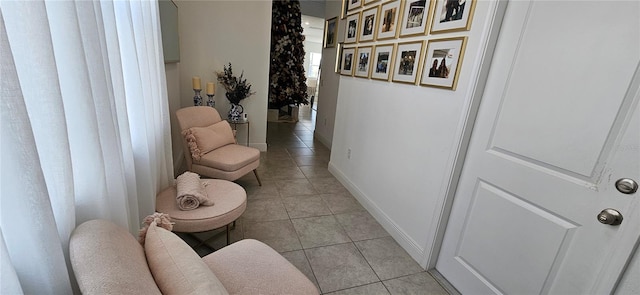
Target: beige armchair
point(210, 148)
point(107, 259)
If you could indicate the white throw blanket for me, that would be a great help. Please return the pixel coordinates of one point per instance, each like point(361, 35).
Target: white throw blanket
point(191, 192)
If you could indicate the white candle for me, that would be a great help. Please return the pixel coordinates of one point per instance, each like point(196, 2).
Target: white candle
point(196, 82)
point(211, 88)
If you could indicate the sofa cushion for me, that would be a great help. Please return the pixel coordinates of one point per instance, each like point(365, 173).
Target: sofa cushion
point(107, 259)
point(202, 140)
point(176, 268)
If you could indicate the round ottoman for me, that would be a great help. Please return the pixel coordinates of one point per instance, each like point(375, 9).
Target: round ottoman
point(230, 201)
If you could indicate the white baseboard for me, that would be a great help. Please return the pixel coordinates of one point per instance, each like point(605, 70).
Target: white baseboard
point(321, 139)
point(407, 243)
point(261, 146)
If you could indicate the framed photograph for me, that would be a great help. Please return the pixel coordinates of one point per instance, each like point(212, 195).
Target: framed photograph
point(368, 28)
point(345, 9)
point(363, 62)
point(415, 17)
point(452, 15)
point(388, 23)
point(347, 61)
point(330, 32)
point(407, 62)
point(353, 4)
point(383, 62)
point(338, 58)
point(442, 62)
point(351, 29)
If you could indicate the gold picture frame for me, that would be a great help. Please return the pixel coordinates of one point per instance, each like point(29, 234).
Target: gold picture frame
point(388, 20)
point(352, 28)
point(330, 32)
point(416, 17)
point(354, 4)
point(344, 9)
point(336, 68)
point(442, 63)
point(362, 66)
point(382, 64)
point(447, 17)
point(369, 19)
point(347, 61)
point(407, 62)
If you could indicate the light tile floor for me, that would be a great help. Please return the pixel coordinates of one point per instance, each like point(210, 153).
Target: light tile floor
point(304, 213)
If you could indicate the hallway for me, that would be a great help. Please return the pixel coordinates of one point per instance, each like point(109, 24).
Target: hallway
point(304, 213)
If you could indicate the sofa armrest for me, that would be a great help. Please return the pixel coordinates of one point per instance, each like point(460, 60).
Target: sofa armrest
point(251, 267)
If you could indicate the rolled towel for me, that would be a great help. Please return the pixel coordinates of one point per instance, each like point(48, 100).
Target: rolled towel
point(191, 192)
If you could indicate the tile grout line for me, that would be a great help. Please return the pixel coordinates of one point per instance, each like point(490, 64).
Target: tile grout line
point(304, 252)
point(340, 225)
point(358, 249)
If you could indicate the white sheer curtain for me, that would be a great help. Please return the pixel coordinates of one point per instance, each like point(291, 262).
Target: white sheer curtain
point(85, 128)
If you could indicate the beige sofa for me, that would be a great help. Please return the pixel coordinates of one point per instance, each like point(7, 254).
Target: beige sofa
point(107, 259)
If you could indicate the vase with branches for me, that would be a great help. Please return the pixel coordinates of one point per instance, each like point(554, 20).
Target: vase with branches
point(236, 88)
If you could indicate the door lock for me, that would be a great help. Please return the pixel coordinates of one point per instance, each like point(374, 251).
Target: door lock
point(626, 186)
point(610, 216)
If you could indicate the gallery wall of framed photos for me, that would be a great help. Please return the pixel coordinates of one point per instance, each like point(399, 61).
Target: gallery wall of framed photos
point(419, 42)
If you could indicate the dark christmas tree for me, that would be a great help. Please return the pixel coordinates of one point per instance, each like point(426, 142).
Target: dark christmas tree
point(287, 81)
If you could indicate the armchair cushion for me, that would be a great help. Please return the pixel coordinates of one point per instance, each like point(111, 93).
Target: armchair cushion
point(202, 140)
point(230, 157)
point(176, 268)
point(244, 273)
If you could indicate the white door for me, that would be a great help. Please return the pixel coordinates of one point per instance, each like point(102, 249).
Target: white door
point(557, 126)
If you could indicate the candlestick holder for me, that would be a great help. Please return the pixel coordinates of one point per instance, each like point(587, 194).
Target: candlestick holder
point(197, 99)
point(210, 101)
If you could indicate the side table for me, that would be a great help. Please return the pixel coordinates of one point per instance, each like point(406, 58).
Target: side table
point(241, 122)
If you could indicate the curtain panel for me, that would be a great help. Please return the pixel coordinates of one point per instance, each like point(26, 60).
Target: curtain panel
point(85, 129)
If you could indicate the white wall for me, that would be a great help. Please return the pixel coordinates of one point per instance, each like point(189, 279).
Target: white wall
point(329, 83)
point(214, 33)
point(403, 140)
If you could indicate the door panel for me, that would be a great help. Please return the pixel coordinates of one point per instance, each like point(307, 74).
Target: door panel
point(519, 224)
point(557, 126)
point(542, 102)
